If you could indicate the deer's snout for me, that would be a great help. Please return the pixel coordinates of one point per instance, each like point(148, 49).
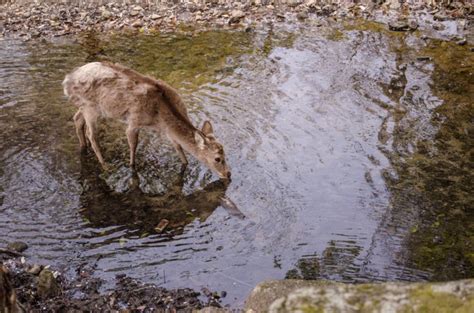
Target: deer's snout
point(226, 175)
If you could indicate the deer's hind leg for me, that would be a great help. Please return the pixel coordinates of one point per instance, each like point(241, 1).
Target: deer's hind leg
point(91, 116)
point(80, 124)
point(132, 137)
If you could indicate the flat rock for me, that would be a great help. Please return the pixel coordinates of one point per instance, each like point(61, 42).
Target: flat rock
point(398, 26)
point(324, 296)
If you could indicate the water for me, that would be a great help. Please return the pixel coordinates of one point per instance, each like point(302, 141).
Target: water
point(323, 128)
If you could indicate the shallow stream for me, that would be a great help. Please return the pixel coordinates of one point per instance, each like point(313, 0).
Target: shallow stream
point(351, 159)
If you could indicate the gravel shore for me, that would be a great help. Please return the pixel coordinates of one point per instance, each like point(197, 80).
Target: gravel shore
point(43, 19)
point(39, 288)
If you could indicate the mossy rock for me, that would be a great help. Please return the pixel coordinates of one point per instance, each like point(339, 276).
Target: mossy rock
point(321, 296)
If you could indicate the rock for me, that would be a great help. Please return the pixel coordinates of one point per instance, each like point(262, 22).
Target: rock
point(440, 17)
point(324, 296)
point(403, 26)
point(35, 269)
point(236, 16)
point(17, 246)
point(155, 16)
point(462, 42)
point(137, 24)
point(398, 26)
point(47, 285)
point(293, 3)
point(302, 15)
point(106, 14)
point(438, 26)
point(137, 8)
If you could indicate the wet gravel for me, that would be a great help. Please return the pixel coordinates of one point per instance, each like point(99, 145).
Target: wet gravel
point(41, 289)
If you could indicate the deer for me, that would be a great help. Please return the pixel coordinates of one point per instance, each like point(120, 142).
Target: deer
point(111, 90)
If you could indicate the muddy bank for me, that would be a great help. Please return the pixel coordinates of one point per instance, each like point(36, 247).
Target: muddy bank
point(32, 20)
point(30, 287)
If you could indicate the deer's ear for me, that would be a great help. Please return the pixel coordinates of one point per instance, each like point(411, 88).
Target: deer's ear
point(200, 141)
point(207, 128)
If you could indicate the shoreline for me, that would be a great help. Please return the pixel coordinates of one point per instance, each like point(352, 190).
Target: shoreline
point(40, 288)
point(42, 20)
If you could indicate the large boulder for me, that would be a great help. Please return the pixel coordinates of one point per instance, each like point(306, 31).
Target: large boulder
point(322, 296)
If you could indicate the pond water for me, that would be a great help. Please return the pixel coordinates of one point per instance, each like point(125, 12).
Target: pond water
point(351, 159)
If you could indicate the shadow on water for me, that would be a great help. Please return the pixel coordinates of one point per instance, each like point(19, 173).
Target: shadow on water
point(144, 213)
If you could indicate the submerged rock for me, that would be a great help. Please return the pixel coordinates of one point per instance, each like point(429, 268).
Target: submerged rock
point(322, 296)
point(402, 26)
point(17, 246)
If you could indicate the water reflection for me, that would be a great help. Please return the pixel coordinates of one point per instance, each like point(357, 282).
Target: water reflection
point(145, 213)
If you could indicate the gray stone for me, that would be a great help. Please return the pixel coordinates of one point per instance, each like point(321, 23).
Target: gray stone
point(323, 296)
point(137, 24)
point(398, 26)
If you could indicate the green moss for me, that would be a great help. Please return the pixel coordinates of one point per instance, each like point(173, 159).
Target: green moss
point(335, 35)
point(277, 39)
point(182, 59)
point(425, 300)
point(312, 309)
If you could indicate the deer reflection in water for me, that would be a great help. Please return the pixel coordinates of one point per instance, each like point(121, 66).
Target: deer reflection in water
point(142, 212)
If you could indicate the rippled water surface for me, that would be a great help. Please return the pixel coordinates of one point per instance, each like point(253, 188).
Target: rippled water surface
point(330, 132)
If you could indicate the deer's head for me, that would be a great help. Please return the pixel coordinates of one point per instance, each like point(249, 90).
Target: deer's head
point(210, 151)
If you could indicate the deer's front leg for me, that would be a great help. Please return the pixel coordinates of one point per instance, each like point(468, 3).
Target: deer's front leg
point(80, 125)
point(132, 136)
point(91, 122)
point(180, 151)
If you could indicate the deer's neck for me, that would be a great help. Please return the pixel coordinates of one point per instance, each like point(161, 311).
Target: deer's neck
point(182, 133)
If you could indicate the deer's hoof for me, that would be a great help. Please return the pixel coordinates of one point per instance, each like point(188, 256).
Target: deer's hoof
point(105, 167)
point(83, 149)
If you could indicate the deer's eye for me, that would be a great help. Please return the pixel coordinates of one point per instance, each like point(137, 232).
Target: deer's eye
point(218, 160)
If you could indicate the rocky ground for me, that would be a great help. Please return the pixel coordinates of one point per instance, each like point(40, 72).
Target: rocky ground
point(39, 288)
point(32, 20)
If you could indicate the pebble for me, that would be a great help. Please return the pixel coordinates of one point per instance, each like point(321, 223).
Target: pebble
point(137, 23)
point(398, 26)
point(35, 269)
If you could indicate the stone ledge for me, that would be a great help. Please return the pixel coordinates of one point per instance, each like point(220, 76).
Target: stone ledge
point(324, 296)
